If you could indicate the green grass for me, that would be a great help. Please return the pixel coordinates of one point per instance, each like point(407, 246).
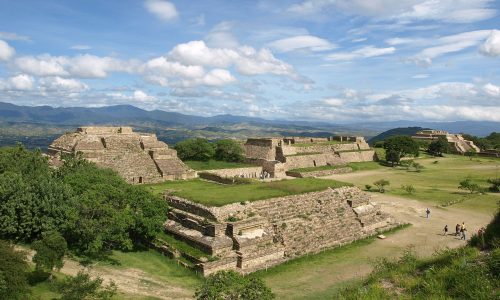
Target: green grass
point(181, 246)
point(438, 182)
point(365, 165)
point(215, 164)
point(213, 194)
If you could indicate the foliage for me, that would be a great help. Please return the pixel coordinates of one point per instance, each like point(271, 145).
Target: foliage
point(492, 141)
point(467, 184)
point(470, 153)
point(393, 157)
point(228, 150)
point(13, 272)
point(410, 189)
point(50, 251)
point(231, 285)
point(368, 187)
point(195, 149)
point(381, 184)
point(404, 145)
point(439, 146)
point(495, 185)
point(378, 144)
point(94, 209)
point(418, 167)
point(83, 287)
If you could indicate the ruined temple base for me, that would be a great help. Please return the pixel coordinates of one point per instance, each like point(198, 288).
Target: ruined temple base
point(250, 236)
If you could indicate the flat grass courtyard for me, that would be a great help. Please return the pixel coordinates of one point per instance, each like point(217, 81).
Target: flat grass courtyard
point(214, 194)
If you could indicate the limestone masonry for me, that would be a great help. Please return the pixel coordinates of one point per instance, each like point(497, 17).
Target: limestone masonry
point(250, 236)
point(137, 157)
point(457, 142)
point(279, 155)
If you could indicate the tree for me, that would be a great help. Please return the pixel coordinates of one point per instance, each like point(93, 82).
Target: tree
point(439, 146)
point(228, 150)
point(404, 145)
point(467, 184)
point(231, 285)
point(470, 153)
point(50, 251)
point(393, 157)
point(195, 149)
point(495, 185)
point(13, 273)
point(381, 184)
point(82, 287)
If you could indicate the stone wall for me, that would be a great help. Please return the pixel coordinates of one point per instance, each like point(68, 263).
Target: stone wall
point(261, 148)
point(313, 160)
point(268, 232)
point(249, 172)
point(320, 173)
point(358, 156)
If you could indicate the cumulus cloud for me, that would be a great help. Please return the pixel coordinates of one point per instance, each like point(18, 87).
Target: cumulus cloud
point(59, 84)
point(142, 96)
point(492, 90)
point(81, 66)
point(365, 52)
point(451, 11)
point(492, 45)
point(6, 51)
point(21, 82)
point(162, 9)
point(302, 42)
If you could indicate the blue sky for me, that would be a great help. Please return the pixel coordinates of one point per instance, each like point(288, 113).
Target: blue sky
point(330, 60)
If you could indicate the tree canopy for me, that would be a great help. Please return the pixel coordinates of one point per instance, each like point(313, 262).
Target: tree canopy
point(404, 145)
point(228, 150)
point(13, 272)
point(195, 149)
point(50, 251)
point(438, 147)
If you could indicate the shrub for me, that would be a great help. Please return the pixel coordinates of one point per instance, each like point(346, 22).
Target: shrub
point(83, 287)
point(368, 187)
point(467, 184)
point(381, 184)
point(495, 185)
point(410, 189)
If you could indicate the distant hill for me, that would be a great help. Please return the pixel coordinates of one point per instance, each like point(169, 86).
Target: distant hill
point(394, 132)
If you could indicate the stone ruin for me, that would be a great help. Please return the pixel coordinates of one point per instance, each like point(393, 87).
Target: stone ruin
point(279, 155)
point(456, 141)
point(137, 157)
point(249, 236)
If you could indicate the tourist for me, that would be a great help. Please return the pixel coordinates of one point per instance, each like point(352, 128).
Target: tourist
point(446, 229)
point(457, 229)
point(428, 212)
point(463, 230)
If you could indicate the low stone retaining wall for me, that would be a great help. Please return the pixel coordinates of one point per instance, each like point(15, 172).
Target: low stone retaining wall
point(248, 172)
point(319, 173)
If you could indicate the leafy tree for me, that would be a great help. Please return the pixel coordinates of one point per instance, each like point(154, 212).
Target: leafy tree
point(231, 285)
point(393, 157)
point(438, 147)
point(470, 153)
point(83, 287)
point(228, 150)
point(404, 145)
point(381, 184)
point(50, 251)
point(13, 273)
point(467, 184)
point(195, 149)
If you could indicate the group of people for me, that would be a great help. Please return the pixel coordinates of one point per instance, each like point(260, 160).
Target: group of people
point(264, 175)
point(460, 230)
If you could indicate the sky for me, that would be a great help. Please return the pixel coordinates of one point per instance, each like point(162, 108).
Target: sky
point(339, 61)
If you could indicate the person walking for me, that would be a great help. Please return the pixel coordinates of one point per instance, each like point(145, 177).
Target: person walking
point(457, 229)
point(428, 212)
point(463, 230)
point(445, 229)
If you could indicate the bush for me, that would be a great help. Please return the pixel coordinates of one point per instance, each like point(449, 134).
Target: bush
point(495, 185)
point(467, 184)
point(231, 285)
point(195, 149)
point(381, 184)
point(228, 150)
point(368, 187)
point(83, 287)
point(410, 189)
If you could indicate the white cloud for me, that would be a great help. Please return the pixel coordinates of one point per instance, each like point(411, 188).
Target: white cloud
point(333, 102)
point(218, 77)
point(162, 9)
point(12, 36)
point(492, 45)
point(451, 11)
point(82, 66)
point(22, 82)
point(302, 42)
point(420, 76)
point(80, 47)
point(59, 84)
point(221, 36)
point(365, 52)
point(6, 51)
point(142, 96)
point(492, 90)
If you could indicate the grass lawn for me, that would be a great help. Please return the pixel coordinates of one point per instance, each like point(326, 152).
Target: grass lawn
point(215, 164)
point(438, 182)
point(212, 194)
point(356, 166)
